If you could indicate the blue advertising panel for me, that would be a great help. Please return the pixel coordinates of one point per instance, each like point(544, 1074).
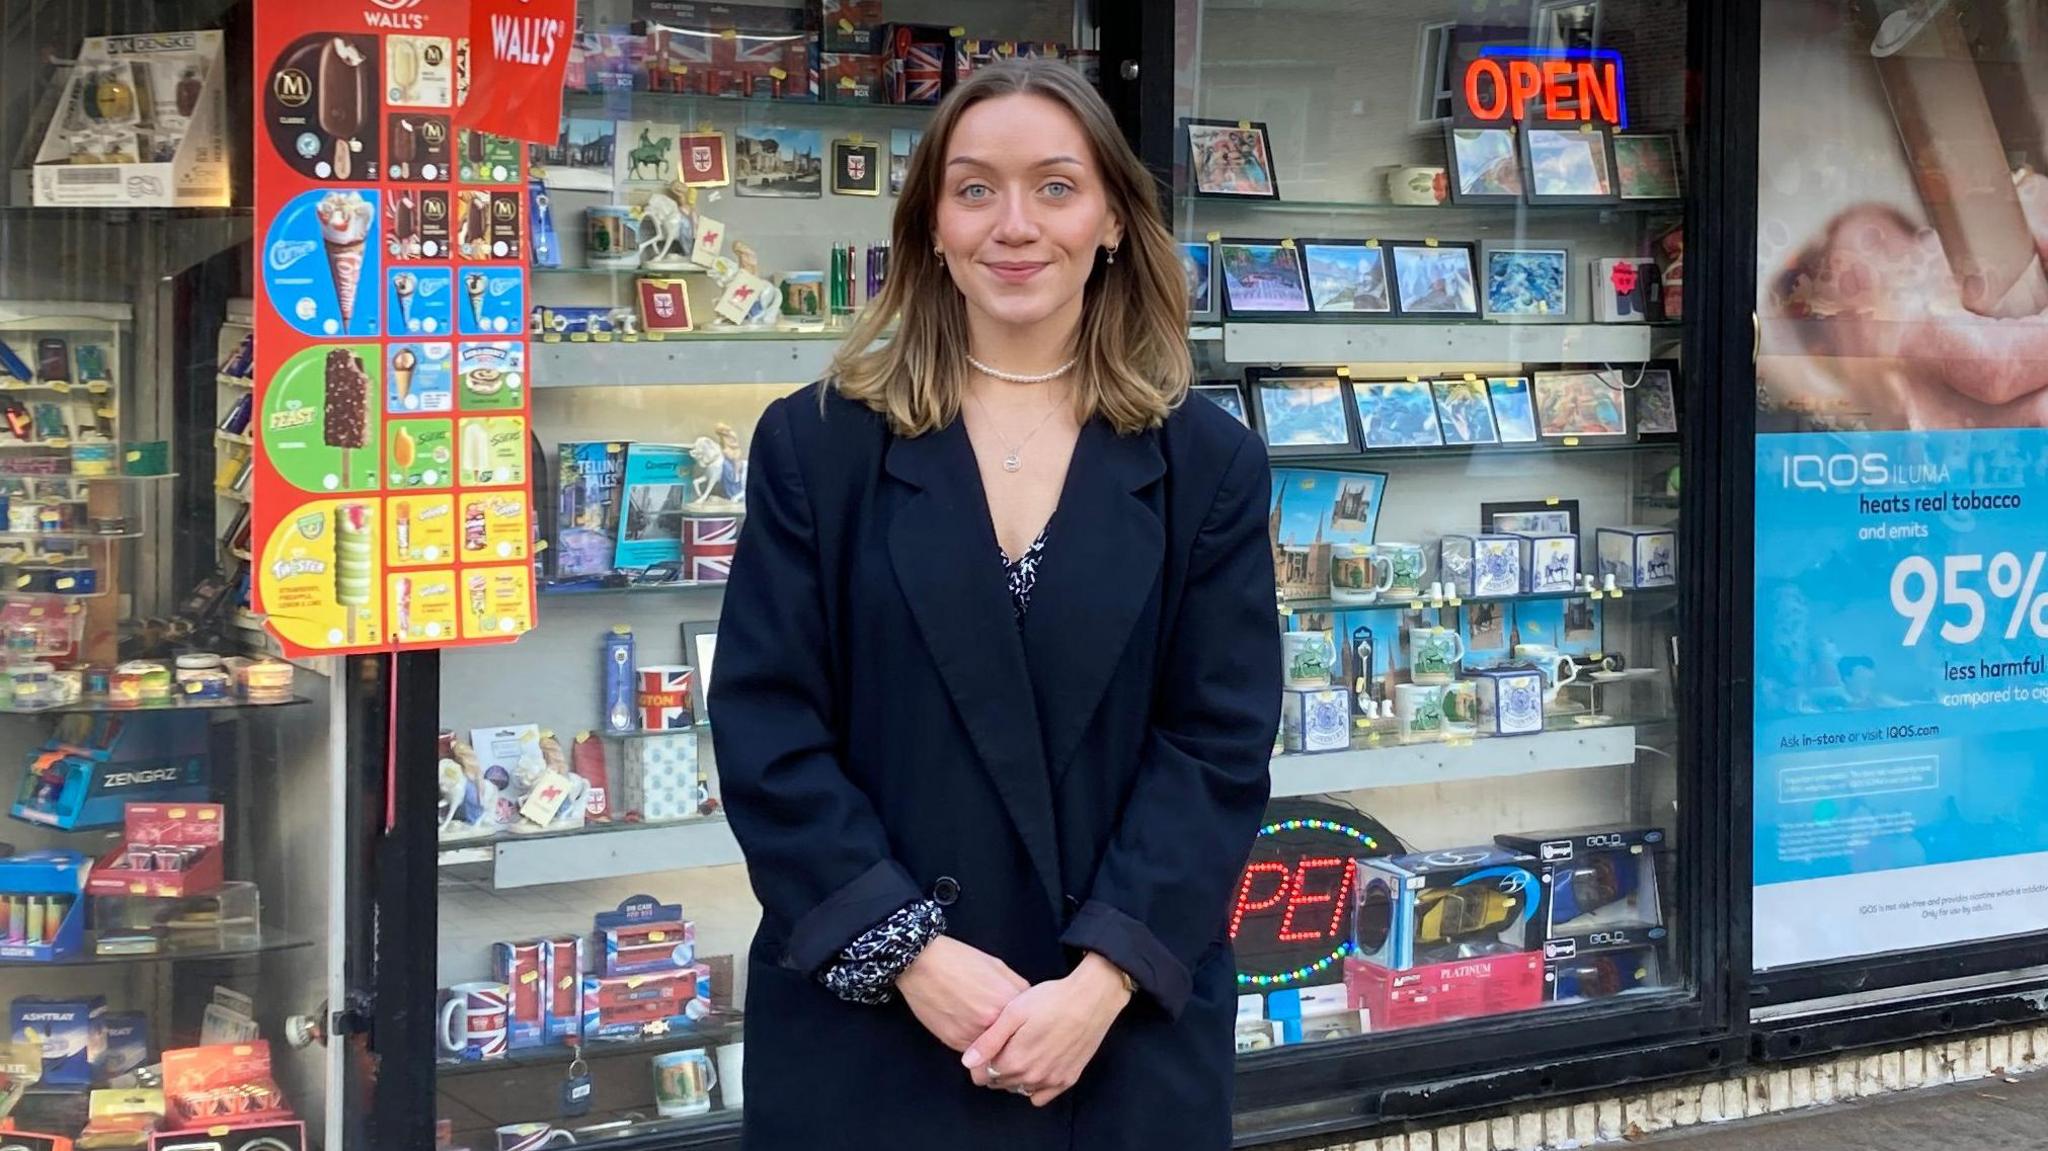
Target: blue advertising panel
point(1901, 655)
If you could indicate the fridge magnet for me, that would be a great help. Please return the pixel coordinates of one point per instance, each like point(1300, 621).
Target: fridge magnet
point(1528, 283)
point(1261, 278)
point(1226, 396)
point(856, 167)
point(1302, 412)
point(419, 378)
point(1627, 292)
point(1486, 167)
point(1315, 510)
point(1646, 166)
point(1231, 158)
point(1568, 166)
point(1579, 404)
point(700, 646)
point(780, 162)
point(1531, 517)
point(645, 152)
point(1484, 628)
point(1656, 408)
point(581, 158)
point(1197, 264)
point(665, 305)
point(1463, 411)
point(706, 164)
point(1398, 414)
point(1435, 279)
point(1348, 278)
point(902, 142)
point(1514, 413)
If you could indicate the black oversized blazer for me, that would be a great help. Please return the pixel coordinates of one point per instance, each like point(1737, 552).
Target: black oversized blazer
point(1091, 780)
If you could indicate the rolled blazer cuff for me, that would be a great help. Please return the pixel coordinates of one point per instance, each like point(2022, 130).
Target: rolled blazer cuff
point(1130, 945)
point(872, 897)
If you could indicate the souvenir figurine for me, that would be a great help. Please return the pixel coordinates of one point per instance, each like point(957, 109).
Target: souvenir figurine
point(673, 213)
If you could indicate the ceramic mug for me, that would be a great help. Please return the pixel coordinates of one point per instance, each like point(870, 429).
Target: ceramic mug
point(731, 1070)
point(1408, 563)
point(1310, 658)
point(1461, 708)
point(1357, 575)
point(1420, 709)
point(611, 238)
point(683, 1081)
point(472, 1026)
point(1433, 654)
point(1558, 668)
point(531, 1136)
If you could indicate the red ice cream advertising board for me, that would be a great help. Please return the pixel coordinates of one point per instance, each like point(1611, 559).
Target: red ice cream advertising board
point(392, 504)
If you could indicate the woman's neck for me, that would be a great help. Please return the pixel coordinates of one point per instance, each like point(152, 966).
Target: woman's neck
point(1024, 349)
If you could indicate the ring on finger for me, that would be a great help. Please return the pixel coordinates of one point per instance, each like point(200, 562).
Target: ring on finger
point(993, 1075)
point(1022, 1090)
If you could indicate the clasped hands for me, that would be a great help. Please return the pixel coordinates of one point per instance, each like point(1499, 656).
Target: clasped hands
point(1013, 1036)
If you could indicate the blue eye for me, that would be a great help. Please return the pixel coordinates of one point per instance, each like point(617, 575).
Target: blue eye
point(1058, 191)
point(975, 191)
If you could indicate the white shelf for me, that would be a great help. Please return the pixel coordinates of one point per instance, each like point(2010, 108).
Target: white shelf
point(600, 851)
point(792, 361)
point(62, 315)
point(1395, 764)
point(1407, 342)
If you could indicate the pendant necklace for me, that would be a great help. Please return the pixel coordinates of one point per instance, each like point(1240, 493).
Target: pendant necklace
point(1013, 457)
point(1013, 453)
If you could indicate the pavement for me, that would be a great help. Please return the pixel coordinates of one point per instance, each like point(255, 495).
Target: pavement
point(1987, 1115)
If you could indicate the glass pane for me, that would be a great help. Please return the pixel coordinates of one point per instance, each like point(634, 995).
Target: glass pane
point(169, 869)
point(1437, 263)
point(644, 359)
point(1900, 784)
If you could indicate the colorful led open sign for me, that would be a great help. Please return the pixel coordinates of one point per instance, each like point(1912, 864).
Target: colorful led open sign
point(1510, 85)
point(1291, 918)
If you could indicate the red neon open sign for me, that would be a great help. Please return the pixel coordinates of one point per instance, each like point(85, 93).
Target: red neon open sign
point(1291, 919)
point(1517, 85)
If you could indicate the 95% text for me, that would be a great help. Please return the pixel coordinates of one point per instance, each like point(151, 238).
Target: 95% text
point(1919, 590)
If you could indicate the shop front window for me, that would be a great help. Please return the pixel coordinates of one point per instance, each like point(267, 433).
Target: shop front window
point(172, 909)
point(718, 220)
point(1436, 262)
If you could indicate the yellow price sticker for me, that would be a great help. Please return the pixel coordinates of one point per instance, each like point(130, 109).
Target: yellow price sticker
point(856, 138)
point(845, 25)
point(1550, 501)
point(99, 387)
point(1372, 243)
point(1344, 371)
point(1244, 125)
point(956, 31)
point(1615, 594)
point(66, 584)
point(729, 34)
point(1571, 441)
point(1287, 244)
point(778, 73)
point(657, 937)
point(703, 126)
point(60, 387)
point(133, 456)
point(1429, 241)
point(1215, 236)
point(1456, 602)
point(1415, 605)
point(1471, 377)
point(23, 581)
point(1414, 379)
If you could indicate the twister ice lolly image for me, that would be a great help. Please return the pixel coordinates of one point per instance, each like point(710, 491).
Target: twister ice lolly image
point(354, 552)
point(345, 220)
point(347, 404)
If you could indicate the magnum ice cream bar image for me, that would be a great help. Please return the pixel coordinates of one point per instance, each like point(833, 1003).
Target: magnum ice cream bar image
point(473, 224)
point(416, 223)
point(321, 107)
point(419, 148)
point(488, 159)
point(419, 72)
point(319, 265)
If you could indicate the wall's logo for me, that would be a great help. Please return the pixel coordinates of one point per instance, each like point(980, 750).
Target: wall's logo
point(390, 19)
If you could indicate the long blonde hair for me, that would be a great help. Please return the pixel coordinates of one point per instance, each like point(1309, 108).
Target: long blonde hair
point(1132, 344)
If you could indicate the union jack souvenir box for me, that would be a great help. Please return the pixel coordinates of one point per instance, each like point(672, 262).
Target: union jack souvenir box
point(665, 693)
point(916, 68)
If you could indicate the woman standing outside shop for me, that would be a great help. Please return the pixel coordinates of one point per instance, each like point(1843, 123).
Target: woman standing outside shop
point(997, 673)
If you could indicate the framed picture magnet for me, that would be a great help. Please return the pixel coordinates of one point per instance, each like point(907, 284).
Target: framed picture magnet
point(1526, 282)
point(1347, 278)
point(1198, 266)
point(1261, 278)
point(1568, 165)
point(1231, 159)
point(1485, 165)
point(1435, 279)
point(856, 167)
point(1303, 411)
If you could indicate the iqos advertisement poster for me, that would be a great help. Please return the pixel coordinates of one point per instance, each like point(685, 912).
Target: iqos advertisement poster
point(1901, 683)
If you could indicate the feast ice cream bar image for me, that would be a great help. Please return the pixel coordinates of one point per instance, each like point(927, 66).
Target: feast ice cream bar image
point(346, 399)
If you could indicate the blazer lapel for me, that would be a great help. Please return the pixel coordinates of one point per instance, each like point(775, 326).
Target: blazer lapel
point(943, 547)
point(1102, 561)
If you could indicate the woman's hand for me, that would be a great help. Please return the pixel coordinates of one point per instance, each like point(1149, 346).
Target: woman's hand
point(958, 991)
point(1048, 1035)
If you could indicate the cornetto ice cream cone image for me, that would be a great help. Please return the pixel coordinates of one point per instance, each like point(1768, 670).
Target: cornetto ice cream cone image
point(402, 367)
point(404, 284)
point(474, 284)
point(345, 219)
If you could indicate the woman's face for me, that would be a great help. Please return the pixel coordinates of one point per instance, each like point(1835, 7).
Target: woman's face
point(1022, 210)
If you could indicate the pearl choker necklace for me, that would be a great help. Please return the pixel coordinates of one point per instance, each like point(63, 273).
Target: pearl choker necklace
point(1013, 378)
